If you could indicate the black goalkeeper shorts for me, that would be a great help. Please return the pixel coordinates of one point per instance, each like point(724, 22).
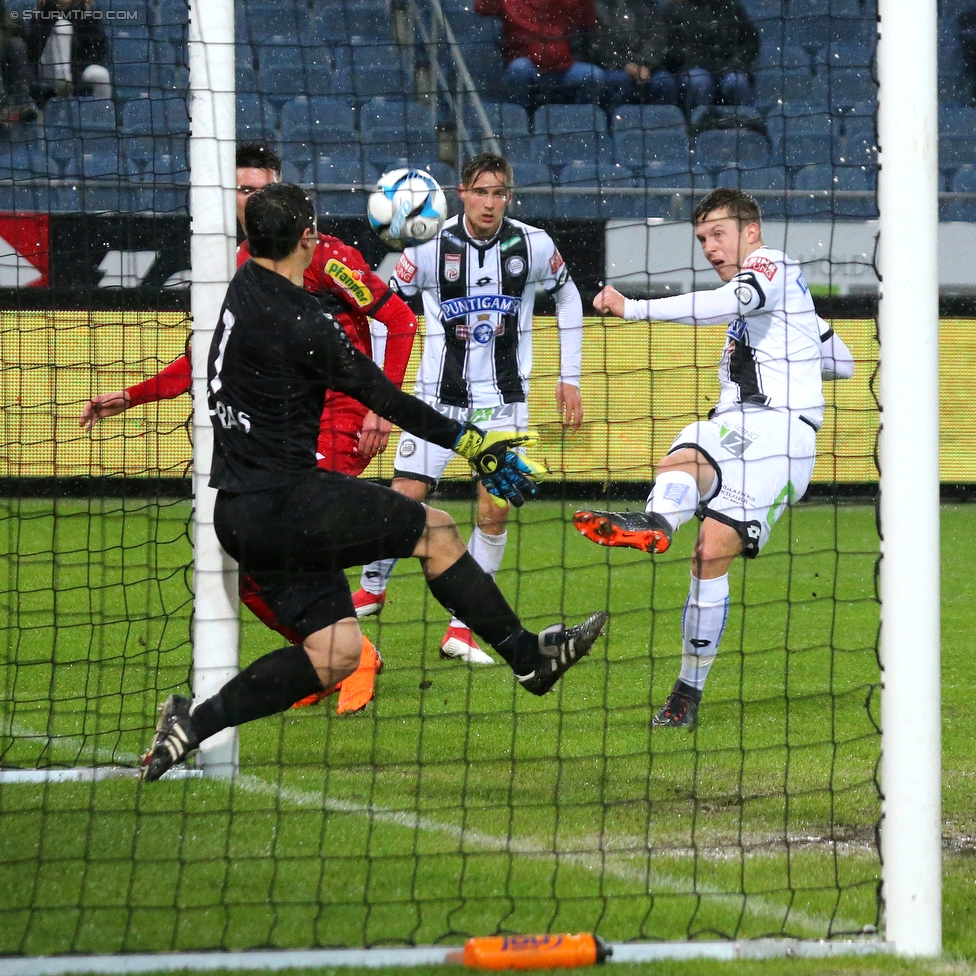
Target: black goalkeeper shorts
point(298, 540)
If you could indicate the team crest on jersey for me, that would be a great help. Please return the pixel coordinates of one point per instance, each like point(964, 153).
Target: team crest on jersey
point(407, 448)
point(452, 267)
point(515, 265)
point(763, 265)
point(405, 269)
point(349, 281)
point(483, 333)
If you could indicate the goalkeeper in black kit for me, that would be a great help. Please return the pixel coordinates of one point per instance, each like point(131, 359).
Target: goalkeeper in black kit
point(274, 355)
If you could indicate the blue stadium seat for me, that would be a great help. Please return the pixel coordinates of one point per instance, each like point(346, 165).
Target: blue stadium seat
point(505, 119)
point(646, 117)
point(539, 204)
point(161, 188)
point(23, 161)
point(320, 121)
point(255, 118)
point(768, 185)
point(559, 149)
point(637, 148)
point(849, 54)
point(663, 180)
point(370, 18)
point(963, 181)
point(378, 69)
point(817, 202)
point(801, 85)
point(854, 141)
point(386, 112)
point(808, 32)
point(957, 136)
point(851, 85)
point(97, 115)
point(155, 116)
point(718, 148)
point(862, 180)
point(344, 202)
point(800, 140)
point(392, 128)
point(603, 202)
point(246, 78)
point(256, 21)
point(102, 189)
point(61, 118)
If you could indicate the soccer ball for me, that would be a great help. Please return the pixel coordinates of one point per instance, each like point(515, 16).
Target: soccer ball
point(406, 208)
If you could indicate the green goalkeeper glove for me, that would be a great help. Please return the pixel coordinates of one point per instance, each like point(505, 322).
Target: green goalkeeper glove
point(504, 473)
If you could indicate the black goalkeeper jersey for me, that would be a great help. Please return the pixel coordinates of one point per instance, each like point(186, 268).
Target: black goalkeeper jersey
point(274, 354)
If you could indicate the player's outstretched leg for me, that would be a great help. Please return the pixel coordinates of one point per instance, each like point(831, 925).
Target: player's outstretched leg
point(680, 711)
point(646, 531)
point(174, 740)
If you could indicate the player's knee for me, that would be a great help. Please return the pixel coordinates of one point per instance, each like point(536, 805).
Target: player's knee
point(717, 545)
point(335, 651)
point(441, 536)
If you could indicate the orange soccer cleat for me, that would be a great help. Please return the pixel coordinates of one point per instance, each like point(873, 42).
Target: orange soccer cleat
point(356, 691)
point(646, 531)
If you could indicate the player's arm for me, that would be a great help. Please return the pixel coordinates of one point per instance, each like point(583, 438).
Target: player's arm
point(740, 296)
point(836, 361)
point(169, 382)
point(569, 319)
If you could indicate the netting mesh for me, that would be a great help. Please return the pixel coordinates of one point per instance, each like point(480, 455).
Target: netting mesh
point(453, 804)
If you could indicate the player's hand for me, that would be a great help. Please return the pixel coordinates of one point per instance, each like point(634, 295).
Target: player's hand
point(374, 436)
point(609, 302)
point(104, 405)
point(504, 473)
point(517, 478)
point(569, 404)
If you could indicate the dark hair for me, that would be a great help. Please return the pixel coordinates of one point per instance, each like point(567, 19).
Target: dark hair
point(258, 155)
point(276, 217)
point(487, 162)
point(736, 203)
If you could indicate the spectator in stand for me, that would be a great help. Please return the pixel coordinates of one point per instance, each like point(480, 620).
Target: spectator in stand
point(15, 103)
point(630, 45)
point(538, 37)
point(67, 46)
point(712, 45)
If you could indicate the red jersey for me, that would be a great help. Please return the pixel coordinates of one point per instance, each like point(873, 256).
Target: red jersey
point(342, 272)
point(541, 30)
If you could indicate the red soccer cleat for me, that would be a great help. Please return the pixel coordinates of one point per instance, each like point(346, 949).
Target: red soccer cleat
point(646, 531)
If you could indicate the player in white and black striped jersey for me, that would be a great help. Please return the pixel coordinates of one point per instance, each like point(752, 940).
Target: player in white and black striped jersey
point(479, 279)
point(741, 467)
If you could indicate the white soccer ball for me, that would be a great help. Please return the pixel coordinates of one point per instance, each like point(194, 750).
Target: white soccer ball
point(406, 208)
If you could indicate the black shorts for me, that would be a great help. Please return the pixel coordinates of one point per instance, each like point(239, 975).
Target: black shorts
point(295, 542)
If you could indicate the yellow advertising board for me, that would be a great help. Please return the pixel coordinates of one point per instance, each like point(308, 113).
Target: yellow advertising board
point(641, 385)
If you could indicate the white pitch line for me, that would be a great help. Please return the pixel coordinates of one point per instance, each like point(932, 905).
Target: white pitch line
point(605, 861)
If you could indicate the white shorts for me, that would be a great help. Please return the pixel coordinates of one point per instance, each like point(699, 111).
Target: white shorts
point(764, 460)
point(423, 461)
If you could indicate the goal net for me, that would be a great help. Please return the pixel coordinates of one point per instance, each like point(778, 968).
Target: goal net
point(452, 804)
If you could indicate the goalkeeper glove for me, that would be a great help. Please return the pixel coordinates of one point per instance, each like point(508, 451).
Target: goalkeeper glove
point(504, 473)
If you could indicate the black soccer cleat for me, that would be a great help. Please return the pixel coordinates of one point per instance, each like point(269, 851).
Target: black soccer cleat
point(560, 648)
point(174, 739)
point(646, 531)
point(680, 711)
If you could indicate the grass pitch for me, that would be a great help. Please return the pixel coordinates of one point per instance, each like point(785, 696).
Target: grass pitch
point(456, 804)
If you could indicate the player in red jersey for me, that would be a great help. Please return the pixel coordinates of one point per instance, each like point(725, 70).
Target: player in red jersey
point(350, 435)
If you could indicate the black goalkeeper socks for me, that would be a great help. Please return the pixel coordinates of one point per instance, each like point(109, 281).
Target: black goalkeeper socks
point(469, 593)
point(270, 685)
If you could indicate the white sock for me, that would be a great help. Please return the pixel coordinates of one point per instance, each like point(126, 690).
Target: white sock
point(675, 496)
point(488, 552)
point(702, 623)
point(376, 575)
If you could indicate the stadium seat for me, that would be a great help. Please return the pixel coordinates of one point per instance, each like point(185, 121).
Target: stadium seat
point(155, 116)
point(664, 182)
point(562, 148)
point(320, 121)
point(851, 85)
point(603, 202)
point(862, 180)
point(849, 54)
point(62, 118)
point(637, 148)
point(162, 186)
point(23, 161)
point(958, 208)
point(377, 69)
point(768, 185)
point(533, 192)
point(340, 202)
point(718, 148)
point(854, 141)
point(802, 85)
point(369, 18)
point(102, 186)
point(646, 118)
point(97, 115)
point(800, 140)
point(392, 128)
point(256, 21)
point(957, 136)
point(816, 203)
point(255, 118)
point(386, 112)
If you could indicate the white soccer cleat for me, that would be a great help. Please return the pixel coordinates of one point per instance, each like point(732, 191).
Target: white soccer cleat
point(459, 644)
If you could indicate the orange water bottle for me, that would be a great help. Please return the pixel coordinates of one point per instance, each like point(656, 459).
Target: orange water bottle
point(533, 951)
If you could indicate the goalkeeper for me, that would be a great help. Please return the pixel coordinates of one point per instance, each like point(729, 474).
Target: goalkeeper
point(274, 355)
